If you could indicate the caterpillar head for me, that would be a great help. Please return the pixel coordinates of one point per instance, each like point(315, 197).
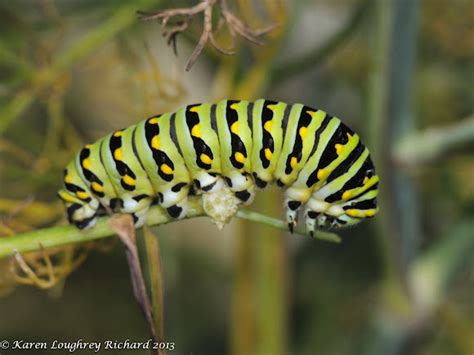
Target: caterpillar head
point(81, 206)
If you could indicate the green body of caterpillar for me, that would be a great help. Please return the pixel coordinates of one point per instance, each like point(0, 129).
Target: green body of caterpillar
point(233, 146)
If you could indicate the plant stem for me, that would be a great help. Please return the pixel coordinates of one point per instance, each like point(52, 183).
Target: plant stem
point(123, 226)
point(425, 146)
point(279, 224)
point(155, 273)
point(63, 235)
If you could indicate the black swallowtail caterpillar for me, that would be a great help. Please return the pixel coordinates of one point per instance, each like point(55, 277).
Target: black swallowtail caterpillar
point(223, 151)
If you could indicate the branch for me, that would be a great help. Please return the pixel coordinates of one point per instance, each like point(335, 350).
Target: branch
point(317, 55)
point(155, 276)
point(123, 226)
point(63, 235)
point(233, 23)
point(428, 145)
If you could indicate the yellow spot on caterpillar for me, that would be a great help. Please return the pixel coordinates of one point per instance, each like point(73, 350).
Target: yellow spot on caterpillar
point(206, 159)
point(361, 213)
point(370, 213)
point(312, 114)
point(128, 180)
point(118, 134)
point(153, 120)
point(303, 132)
point(196, 131)
point(268, 153)
point(339, 148)
point(155, 142)
point(118, 154)
point(366, 180)
point(195, 108)
point(97, 187)
point(239, 157)
point(268, 126)
point(346, 195)
point(322, 174)
point(352, 213)
point(88, 146)
point(271, 107)
point(293, 162)
point(68, 179)
point(166, 169)
point(66, 197)
point(86, 163)
point(82, 195)
point(235, 128)
point(234, 106)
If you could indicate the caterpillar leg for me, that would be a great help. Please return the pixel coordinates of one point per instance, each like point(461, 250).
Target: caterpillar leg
point(206, 182)
point(316, 220)
point(310, 221)
point(294, 199)
point(175, 199)
point(86, 222)
point(243, 186)
point(247, 195)
point(322, 215)
point(178, 210)
point(139, 218)
point(137, 206)
point(292, 207)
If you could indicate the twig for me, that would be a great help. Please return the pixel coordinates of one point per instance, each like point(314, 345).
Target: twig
point(123, 226)
point(153, 262)
point(428, 145)
point(172, 34)
point(63, 235)
point(233, 23)
point(204, 36)
point(279, 224)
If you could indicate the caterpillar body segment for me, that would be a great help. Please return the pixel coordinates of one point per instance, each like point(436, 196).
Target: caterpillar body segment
point(81, 205)
point(224, 151)
point(163, 163)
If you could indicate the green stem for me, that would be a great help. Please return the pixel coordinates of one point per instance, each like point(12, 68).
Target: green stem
point(62, 235)
point(378, 122)
point(155, 273)
point(279, 224)
point(428, 145)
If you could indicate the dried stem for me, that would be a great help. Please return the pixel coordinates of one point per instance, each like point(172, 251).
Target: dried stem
point(123, 226)
point(155, 273)
point(232, 22)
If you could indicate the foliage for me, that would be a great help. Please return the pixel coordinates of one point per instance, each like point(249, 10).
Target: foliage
point(396, 71)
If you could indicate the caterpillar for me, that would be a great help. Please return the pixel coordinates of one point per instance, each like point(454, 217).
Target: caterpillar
point(224, 151)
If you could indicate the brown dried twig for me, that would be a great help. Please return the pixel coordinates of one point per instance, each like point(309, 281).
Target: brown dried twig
point(123, 226)
point(235, 26)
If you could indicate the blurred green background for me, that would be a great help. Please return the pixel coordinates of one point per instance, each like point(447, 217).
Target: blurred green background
point(400, 73)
